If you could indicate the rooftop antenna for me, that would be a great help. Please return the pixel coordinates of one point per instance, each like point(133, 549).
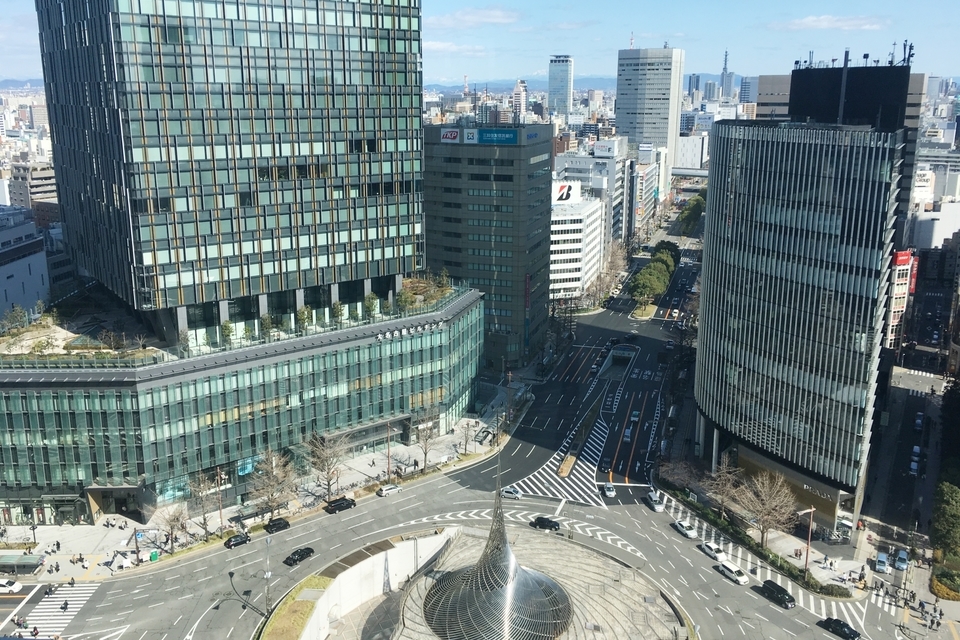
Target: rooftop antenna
point(631, 39)
point(810, 59)
point(666, 45)
point(893, 54)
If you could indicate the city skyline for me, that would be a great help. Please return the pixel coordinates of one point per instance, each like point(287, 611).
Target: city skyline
point(488, 41)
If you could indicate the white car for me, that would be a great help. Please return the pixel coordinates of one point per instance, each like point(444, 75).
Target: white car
point(511, 492)
point(734, 572)
point(10, 586)
point(714, 551)
point(387, 489)
point(686, 529)
point(609, 491)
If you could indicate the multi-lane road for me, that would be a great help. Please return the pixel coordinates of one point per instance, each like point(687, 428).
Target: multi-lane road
point(219, 594)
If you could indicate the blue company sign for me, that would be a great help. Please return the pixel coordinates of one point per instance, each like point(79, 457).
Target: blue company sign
point(497, 136)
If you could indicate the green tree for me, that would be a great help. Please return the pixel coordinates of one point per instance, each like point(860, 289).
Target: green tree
point(248, 334)
point(945, 534)
point(266, 326)
point(703, 193)
point(370, 304)
point(405, 300)
point(670, 247)
point(385, 307)
point(226, 330)
point(303, 318)
point(443, 280)
point(336, 310)
point(666, 259)
point(354, 314)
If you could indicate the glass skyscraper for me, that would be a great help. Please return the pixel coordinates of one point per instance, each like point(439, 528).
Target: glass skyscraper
point(797, 244)
point(228, 167)
point(560, 85)
point(227, 159)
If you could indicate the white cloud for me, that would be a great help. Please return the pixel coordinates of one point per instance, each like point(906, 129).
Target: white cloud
point(470, 18)
point(470, 51)
point(842, 23)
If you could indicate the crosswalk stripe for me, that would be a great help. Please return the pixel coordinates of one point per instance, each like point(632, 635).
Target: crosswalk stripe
point(50, 618)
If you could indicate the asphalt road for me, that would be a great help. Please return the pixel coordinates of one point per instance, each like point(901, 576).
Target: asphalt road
point(218, 594)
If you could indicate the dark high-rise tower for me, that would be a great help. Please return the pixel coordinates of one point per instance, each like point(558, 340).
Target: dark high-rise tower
point(798, 245)
point(225, 161)
point(487, 209)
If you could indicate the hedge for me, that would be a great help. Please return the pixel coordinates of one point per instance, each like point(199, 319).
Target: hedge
point(944, 584)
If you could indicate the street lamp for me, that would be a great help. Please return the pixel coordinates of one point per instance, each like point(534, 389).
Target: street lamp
point(806, 563)
point(33, 528)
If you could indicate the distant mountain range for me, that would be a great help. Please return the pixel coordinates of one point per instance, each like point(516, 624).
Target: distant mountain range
point(20, 84)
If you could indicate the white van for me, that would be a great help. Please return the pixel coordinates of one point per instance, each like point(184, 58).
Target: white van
point(656, 501)
point(733, 572)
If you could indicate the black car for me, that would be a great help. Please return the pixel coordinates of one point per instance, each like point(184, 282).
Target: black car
point(298, 556)
point(841, 628)
point(276, 524)
point(236, 541)
point(778, 594)
point(541, 522)
point(605, 465)
point(340, 504)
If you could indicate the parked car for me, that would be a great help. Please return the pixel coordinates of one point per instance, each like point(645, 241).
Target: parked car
point(687, 529)
point(918, 421)
point(915, 454)
point(734, 572)
point(902, 561)
point(671, 343)
point(10, 586)
point(298, 556)
point(236, 540)
point(840, 628)
point(714, 551)
point(511, 492)
point(276, 524)
point(914, 468)
point(609, 490)
point(389, 489)
point(778, 594)
point(340, 504)
point(541, 522)
point(882, 563)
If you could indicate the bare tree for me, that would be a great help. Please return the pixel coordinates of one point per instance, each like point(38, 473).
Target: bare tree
point(725, 485)
point(770, 500)
point(327, 453)
point(427, 433)
point(173, 520)
point(274, 481)
point(467, 428)
point(205, 493)
point(681, 473)
point(141, 340)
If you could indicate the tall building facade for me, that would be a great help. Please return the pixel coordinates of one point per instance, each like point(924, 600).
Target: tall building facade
point(487, 208)
point(650, 96)
point(520, 100)
point(726, 79)
point(253, 166)
point(560, 85)
point(796, 281)
point(748, 89)
point(231, 160)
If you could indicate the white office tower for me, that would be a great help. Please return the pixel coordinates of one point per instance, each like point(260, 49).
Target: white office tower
point(650, 96)
point(560, 85)
point(520, 99)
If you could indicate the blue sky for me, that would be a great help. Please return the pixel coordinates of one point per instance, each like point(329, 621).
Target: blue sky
point(515, 39)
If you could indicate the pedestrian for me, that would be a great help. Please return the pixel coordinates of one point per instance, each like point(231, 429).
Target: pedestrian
point(35, 632)
point(57, 544)
point(936, 601)
point(65, 605)
point(56, 567)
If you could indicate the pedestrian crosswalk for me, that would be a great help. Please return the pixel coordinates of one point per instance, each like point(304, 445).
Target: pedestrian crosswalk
point(850, 611)
point(581, 484)
point(52, 614)
point(925, 374)
point(917, 392)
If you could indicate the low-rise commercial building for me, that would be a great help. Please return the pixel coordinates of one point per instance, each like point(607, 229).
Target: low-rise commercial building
point(575, 241)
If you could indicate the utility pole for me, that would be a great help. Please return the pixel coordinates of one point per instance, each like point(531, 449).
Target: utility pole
point(220, 498)
point(388, 423)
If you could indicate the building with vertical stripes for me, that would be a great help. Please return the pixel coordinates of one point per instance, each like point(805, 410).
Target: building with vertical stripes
point(798, 244)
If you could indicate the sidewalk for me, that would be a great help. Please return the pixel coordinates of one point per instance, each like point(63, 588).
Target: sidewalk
point(99, 544)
